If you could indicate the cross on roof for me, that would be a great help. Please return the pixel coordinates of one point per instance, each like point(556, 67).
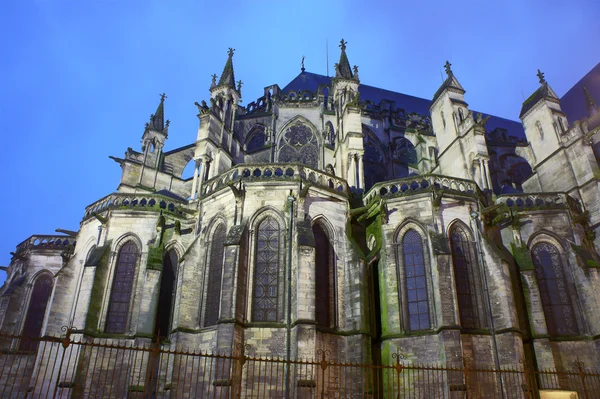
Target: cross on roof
point(162, 97)
point(447, 66)
point(239, 85)
point(343, 44)
point(540, 75)
point(230, 51)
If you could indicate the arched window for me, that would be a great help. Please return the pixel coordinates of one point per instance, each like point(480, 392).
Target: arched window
point(467, 279)
point(122, 287)
point(299, 144)
point(374, 159)
point(34, 319)
point(164, 311)
point(330, 133)
point(415, 281)
point(461, 114)
point(324, 278)
point(554, 292)
point(256, 139)
point(265, 303)
point(215, 274)
point(538, 124)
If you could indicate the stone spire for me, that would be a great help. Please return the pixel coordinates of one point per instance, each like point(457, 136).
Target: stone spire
point(451, 83)
point(590, 103)
point(544, 92)
point(342, 68)
point(227, 77)
point(157, 119)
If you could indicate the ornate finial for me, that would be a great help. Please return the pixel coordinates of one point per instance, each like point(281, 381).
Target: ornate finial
point(167, 123)
point(239, 85)
point(540, 75)
point(162, 97)
point(343, 45)
point(336, 67)
point(303, 57)
point(230, 52)
point(355, 70)
point(447, 66)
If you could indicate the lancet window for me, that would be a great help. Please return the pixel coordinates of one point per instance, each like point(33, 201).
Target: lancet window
point(122, 288)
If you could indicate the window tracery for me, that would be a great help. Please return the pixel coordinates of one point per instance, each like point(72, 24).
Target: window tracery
point(299, 144)
point(415, 281)
point(324, 278)
point(34, 318)
point(553, 285)
point(215, 274)
point(467, 279)
point(265, 304)
point(122, 287)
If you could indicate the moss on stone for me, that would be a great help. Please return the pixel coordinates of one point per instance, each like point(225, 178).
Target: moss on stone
point(522, 256)
point(97, 292)
point(155, 257)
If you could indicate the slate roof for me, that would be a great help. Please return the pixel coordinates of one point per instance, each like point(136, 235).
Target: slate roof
point(311, 81)
point(573, 103)
point(545, 92)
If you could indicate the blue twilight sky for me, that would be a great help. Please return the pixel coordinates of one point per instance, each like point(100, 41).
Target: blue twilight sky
point(81, 77)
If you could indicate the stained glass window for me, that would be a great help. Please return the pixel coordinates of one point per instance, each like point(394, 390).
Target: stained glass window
point(373, 160)
point(256, 139)
point(162, 326)
point(265, 302)
point(415, 281)
point(215, 273)
point(552, 282)
point(122, 287)
point(299, 144)
point(324, 278)
point(467, 278)
point(34, 319)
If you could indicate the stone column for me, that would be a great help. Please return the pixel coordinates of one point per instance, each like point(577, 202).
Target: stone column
point(201, 166)
point(351, 170)
point(195, 181)
point(361, 171)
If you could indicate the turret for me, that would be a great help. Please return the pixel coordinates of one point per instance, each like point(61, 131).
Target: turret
point(543, 120)
point(346, 103)
point(460, 137)
point(215, 133)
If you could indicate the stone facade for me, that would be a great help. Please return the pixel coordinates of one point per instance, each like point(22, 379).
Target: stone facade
point(356, 220)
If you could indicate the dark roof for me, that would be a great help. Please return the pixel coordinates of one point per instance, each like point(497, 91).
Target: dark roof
point(545, 92)
point(311, 81)
point(573, 103)
point(450, 83)
point(169, 194)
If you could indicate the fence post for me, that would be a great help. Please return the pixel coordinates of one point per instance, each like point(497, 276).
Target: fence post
point(580, 366)
point(66, 341)
point(399, 367)
point(323, 368)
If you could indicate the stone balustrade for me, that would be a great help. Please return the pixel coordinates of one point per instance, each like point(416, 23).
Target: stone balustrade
point(540, 201)
point(134, 201)
point(46, 242)
point(275, 171)
point(420, 183)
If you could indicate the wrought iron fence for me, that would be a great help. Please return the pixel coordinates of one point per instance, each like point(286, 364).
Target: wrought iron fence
point(124, 368)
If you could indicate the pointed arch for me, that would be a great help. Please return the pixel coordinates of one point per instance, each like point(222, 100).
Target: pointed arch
point(330, 133)
point(166, 296)
point(268, 260)
point(43, 284)
point(374, 158)
point(325, 274)
point(557, 299)
point(299, 142)
point(256, 138)
point(413, 273)
point(121, 292)
point(218, 233)
point(467, 278)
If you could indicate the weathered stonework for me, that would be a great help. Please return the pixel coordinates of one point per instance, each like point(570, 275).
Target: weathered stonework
point(366, 171)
